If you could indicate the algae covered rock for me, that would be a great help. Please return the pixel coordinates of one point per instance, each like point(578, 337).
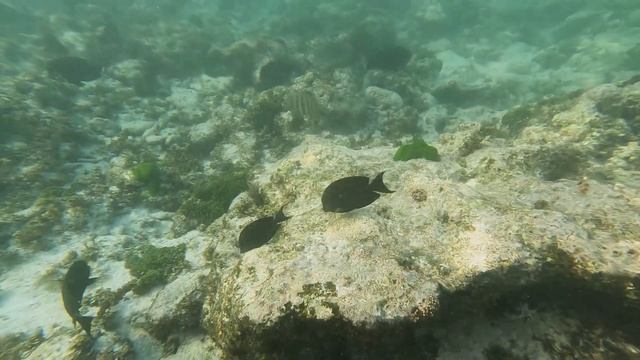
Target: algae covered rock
point(211, 198)
point(153, 266)
point(396, 276)
point(16, 346)
point(41, 219)
point(417, 149)
point(383, 98)
point(624, 104)
point(180, 306)
point(521, 242)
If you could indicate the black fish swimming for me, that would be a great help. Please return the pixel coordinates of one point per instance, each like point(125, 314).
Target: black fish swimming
point(74, 69)
point(352, 193)
point(73, 285)
point(389, 57)
point(260, 231)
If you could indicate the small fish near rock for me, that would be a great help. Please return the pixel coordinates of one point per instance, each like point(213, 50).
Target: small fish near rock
point(388, 57)
point(277, 72)
point(352, 193)
point(74, 69)
point(260, 231)
point(74, 283)
point(304, 106)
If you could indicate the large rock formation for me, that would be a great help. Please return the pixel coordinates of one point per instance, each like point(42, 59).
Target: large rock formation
point(499, 232)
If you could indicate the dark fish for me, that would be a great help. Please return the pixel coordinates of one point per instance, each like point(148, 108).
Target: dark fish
point(352, 192)
point(277, 72)
point(389, 57)
point(74, 69)
point(73, 285)
point(260, 231)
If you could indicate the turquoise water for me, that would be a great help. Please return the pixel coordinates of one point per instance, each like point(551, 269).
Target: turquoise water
point(142, 137)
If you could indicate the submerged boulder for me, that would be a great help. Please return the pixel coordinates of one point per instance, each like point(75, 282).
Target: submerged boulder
point(397, 278)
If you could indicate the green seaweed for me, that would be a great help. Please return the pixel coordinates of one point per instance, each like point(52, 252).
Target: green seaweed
point(146, 172)
point(149, 174)
point(153, 266)
point(417, 149)
point(211, 198)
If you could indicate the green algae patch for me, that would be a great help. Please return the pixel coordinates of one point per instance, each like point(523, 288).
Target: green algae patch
point(152, 266)
point(146, 172)
point(149, 174)
point(417, 149)
point(211, 198)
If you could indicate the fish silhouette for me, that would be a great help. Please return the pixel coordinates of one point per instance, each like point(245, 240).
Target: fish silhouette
point(74, 69)
point(352, 193)
point(74, 283)
point(260, 231)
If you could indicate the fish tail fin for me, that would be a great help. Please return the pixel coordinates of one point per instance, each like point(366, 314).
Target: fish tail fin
point(85, 323)
point(280, 216)
point(378, 186)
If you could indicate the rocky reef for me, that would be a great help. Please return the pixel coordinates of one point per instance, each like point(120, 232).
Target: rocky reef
point(478, 238)
point(144, 136)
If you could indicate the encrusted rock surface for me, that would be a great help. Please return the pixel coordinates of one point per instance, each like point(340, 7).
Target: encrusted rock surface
point(520, 237)
point(523, 242)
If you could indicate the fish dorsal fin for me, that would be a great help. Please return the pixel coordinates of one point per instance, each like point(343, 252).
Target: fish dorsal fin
point(378, 186)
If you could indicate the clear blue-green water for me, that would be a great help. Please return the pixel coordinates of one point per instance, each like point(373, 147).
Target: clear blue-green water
point(142, 136)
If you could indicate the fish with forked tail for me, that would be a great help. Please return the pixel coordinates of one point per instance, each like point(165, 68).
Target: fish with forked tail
point(74, 283)
point(260, 231)
point(352, 193)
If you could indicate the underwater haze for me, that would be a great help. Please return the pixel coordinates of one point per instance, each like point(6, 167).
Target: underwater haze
point(320, 180)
